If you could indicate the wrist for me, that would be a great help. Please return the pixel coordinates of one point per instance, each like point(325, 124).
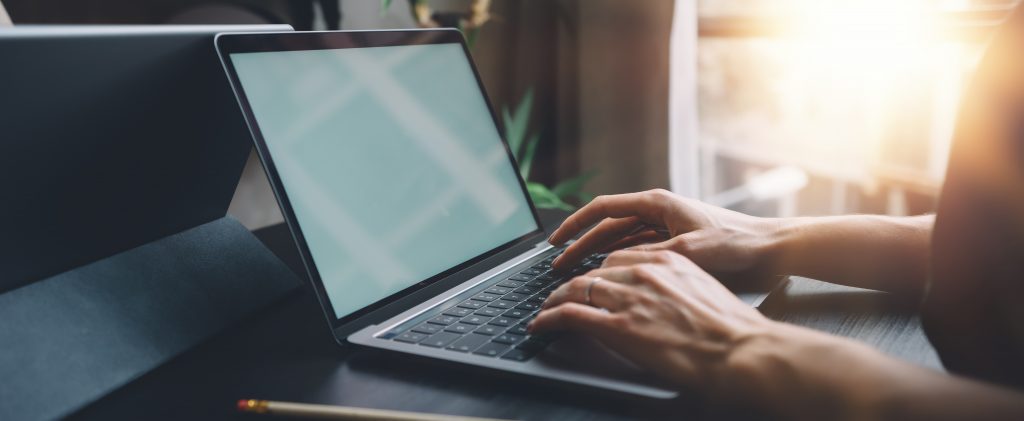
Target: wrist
point(798, 373)
point(780, 237)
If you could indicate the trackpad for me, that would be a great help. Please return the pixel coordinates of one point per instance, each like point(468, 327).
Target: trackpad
point(582, 353)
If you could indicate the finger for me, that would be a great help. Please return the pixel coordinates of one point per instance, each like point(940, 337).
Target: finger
point(622, 275)
point(604, 293)
point(636, 256)
point(645, 237)
point(575, 317)
point(606, 232)
point(687, 245)
point(669, 244)
point(644, 205)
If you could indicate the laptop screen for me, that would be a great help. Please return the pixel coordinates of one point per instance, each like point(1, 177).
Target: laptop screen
point(390, 159)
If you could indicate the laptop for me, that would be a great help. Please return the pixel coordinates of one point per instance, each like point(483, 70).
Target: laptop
point(415, 227)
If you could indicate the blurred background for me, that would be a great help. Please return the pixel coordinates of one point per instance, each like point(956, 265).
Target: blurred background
point(771, 107)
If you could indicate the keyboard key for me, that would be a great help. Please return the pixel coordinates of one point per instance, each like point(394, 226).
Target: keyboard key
point(460, 328)
point(502, 321)
point(539, 298)
point(458, 312)
point(489, 330)
point(528, 306)
point(485, 297)
point(428, 328)
point(511, 284)
point(547, 277)
point(502, 304)
point(410, 337)
point(518, 330)
point(521, 277)
point(488, 311)
point(439, 340)
point(498, 290)
point(530, 271)
point(554, 283)
point(531, 344)
point(516, 313)
point(475, 320)
point(514, 297)
point(492, 349)
point(537, 284)
point(508, 338)
point(472, 304)
point(443, 320)
point(526, 291)
point(518, 355)
point(468, 343)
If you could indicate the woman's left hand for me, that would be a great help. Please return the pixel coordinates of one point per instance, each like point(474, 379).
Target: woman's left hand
point(660, 311)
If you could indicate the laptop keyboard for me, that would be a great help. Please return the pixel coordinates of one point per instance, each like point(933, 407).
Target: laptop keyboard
point(493, 322)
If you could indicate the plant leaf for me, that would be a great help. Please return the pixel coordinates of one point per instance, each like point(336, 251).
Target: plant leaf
point(527, 161)
point(384, 6)
point(545, 199)
point(521, 116)
point(471, 37)
point(516, 124)
point(573, 186)
point(514, 138)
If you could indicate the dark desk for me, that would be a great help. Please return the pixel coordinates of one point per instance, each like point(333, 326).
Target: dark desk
point(286, 353)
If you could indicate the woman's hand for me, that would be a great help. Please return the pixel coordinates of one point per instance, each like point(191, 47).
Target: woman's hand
point(661, 311)
point(665, 314)
point(721, 241)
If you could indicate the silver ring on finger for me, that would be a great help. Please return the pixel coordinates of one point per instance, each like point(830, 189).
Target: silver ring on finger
point(590, 287)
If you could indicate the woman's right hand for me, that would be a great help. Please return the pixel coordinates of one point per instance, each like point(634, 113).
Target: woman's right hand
point(726, 243)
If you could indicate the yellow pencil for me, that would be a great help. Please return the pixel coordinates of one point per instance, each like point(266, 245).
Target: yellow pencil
point(331, 412)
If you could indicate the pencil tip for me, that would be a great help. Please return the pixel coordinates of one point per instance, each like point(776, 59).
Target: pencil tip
point(252, 405)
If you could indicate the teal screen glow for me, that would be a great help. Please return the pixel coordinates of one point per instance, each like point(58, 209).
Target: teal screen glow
point(390, 159)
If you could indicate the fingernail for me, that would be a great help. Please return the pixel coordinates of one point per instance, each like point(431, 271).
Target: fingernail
point(529, 326)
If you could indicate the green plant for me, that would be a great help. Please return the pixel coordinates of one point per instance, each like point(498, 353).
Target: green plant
point(524, 148)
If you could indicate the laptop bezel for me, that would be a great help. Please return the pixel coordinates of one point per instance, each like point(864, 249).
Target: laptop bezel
point(232, 43)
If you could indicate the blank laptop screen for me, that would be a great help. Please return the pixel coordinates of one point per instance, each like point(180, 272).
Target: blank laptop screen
point(390, 159)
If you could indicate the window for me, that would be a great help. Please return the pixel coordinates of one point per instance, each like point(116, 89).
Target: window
point(824, 107)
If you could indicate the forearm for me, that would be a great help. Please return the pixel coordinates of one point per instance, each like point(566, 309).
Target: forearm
point(876, 252)
point(796, 373)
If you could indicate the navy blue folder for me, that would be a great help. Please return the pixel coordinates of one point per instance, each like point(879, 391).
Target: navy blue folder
point(120, 150)
point(74, 337)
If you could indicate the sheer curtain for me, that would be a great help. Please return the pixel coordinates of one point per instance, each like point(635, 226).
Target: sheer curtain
point(804, 107)
point(683, 142)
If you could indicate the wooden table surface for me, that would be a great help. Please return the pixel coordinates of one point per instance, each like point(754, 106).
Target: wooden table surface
point(286, 353)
